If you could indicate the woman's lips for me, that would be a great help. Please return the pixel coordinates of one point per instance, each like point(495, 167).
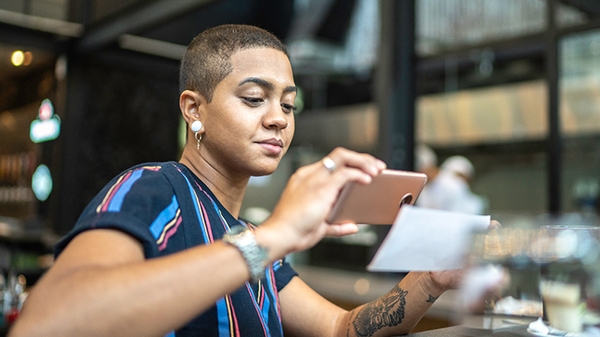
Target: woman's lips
point(274, 146)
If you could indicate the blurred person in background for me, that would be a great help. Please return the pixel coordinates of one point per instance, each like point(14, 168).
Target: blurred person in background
point(426, 161)
point(450, 189)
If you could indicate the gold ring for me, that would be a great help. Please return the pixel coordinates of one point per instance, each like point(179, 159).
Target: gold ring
point(329, 164)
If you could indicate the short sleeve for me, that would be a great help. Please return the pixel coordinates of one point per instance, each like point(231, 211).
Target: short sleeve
point(284, 273)
point(131, 203)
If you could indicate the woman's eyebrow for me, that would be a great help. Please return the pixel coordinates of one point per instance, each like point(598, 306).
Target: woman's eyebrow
point(266, 84)
point(291, 88)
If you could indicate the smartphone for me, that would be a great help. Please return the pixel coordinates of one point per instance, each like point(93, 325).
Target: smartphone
point(379, 202)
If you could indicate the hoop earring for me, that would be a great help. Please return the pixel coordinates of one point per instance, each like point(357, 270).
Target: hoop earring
point(196, 126)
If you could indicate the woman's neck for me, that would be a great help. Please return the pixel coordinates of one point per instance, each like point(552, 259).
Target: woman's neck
point(228, 189)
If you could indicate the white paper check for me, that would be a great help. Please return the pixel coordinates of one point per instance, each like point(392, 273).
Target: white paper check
point(427, 239)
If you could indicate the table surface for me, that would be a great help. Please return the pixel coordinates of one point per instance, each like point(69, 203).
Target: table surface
point(484, 325)
point(463, 331)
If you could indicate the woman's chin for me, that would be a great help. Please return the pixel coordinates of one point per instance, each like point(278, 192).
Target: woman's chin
point(264, 170)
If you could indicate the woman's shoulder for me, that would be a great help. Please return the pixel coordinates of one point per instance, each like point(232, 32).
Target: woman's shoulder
point(145, 179)
point(148, 170)
point(152, 166)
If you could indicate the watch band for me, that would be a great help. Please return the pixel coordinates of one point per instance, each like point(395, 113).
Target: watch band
point(256, 256)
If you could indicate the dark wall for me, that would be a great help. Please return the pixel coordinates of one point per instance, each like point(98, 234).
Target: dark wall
point(121, 110)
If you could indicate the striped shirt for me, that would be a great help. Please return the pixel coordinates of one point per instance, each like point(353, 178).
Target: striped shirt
point(168, 209)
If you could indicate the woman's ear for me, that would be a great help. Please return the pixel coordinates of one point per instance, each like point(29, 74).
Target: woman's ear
point(189, 104)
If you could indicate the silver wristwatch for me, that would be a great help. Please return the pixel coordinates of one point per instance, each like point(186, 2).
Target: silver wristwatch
point(256, 256)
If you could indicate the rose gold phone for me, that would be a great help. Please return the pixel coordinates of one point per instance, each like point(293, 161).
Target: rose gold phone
point(377, 203)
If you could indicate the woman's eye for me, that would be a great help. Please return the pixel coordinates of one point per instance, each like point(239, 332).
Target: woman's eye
point(253, 100)
point(288, 107)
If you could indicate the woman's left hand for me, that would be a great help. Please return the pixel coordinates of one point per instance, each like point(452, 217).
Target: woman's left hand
point(452, 279)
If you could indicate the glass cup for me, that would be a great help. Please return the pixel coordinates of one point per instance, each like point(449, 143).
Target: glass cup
point(562, 304)
point(554, 272)
point(516, 292)
point(565, 254)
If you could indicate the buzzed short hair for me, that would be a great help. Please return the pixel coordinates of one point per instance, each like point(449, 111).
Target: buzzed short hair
point(207, 60)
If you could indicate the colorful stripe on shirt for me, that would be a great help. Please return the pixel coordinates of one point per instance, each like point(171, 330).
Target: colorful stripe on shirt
point(200, 213)
point(228, 324)
point(166, 224)
point(272, 286)
point(264, 320)
point(113, 200)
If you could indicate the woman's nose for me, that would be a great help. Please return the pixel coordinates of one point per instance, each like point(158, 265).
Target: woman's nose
point(276, 118)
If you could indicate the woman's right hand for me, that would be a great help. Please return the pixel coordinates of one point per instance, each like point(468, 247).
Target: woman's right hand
point(298, 220)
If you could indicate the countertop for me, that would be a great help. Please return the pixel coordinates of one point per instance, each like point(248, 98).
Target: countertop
point(356, 287)
point(359, 288)
point(483, 325)
point(462, 331)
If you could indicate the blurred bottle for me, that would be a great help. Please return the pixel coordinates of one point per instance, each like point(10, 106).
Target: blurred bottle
point(13, 297)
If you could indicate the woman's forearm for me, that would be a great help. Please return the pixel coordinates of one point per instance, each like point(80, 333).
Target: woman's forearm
point(134, 298)
point(396, 312)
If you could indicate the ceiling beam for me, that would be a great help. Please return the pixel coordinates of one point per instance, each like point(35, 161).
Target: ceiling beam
point(47, 25)
point(152, 46)
point(589, 7)
point(134, 22)
point(307, 21)
point(25, 37)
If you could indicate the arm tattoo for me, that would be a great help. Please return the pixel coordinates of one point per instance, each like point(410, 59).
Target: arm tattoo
point(349, 323)
point(384, 312)
point(431, 299)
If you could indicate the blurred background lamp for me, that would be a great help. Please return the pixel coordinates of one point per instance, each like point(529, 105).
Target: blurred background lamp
point(46, 110)
point(41, 182)
point(47, 126)
point(17, 58)
point(27, 58)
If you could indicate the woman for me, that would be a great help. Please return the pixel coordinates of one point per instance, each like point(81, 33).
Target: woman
point(147, 258)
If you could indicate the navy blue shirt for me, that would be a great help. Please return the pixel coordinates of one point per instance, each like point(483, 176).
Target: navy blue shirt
point(168, 209)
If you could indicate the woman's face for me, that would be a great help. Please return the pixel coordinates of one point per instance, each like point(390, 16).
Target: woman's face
point(249, 123)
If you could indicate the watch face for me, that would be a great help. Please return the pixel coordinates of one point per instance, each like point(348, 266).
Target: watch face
point(237, 229)
point(256, 256)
